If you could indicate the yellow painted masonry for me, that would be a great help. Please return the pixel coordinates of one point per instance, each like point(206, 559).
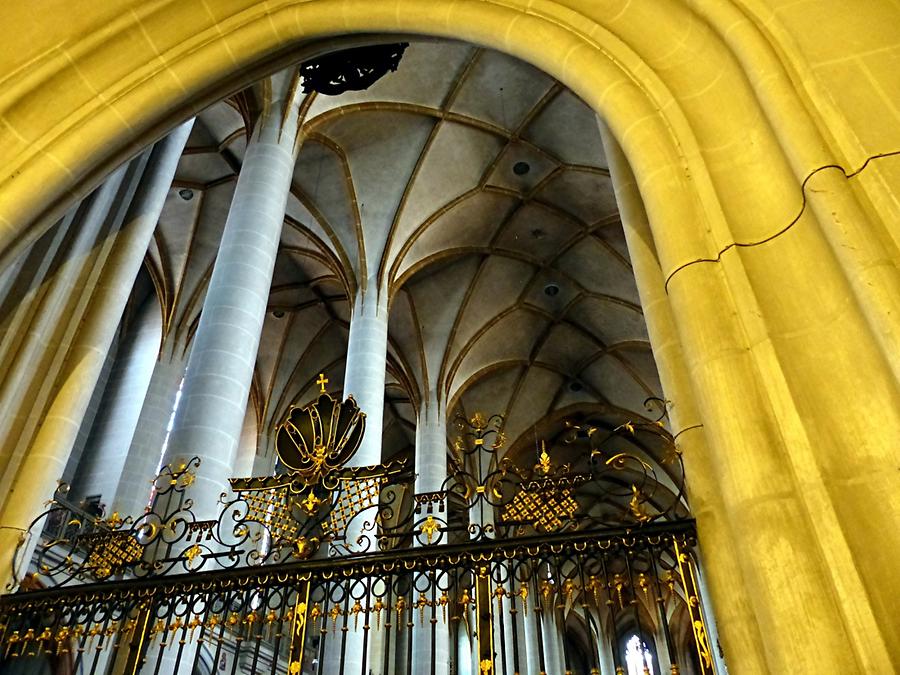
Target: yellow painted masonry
point(764, 141)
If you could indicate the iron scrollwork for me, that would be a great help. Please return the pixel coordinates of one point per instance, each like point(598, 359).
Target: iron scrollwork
point(604, 533)
point(262, 521)
point(608, 481)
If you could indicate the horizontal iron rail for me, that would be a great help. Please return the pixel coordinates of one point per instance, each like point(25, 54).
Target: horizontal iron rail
point(409, 559)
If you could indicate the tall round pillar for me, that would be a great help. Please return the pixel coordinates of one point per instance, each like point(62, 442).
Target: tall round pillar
point(46, 459)
point(145, 451)
point(364, 380)
point(210, 415)
point(735, 613)
point(759, 503)
point(431, 471)
point(366, 367)
point(101, 464)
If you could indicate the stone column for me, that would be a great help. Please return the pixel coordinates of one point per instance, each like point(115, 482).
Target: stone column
point(47, 457)
point(604, 646)
point(364, 380)
point(464, 651)
point(751, 505)
point(32, 357)
point(90, 415)
point(531, 623)
point(145, 452)
point(106, 451)
point(431, 471)
point(553, 649)
point(707, 505)
point(366, 367)
point(220, 368)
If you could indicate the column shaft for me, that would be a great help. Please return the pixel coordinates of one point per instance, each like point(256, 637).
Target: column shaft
point(30, 375)
point(739, 625)
point(751, 475)
point(431, 470)
point(145, 452)
point(46, 459)
point(103, 460)
point(220, 368)
point(366, 367)
point(364, 379)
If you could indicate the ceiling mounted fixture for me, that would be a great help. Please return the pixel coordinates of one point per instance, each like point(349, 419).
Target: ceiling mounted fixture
point(278, 313)
point(575, 386)
point(521, 168)
point(551, 290)
point(186, 194)
point(538, 233)
point(350, 69)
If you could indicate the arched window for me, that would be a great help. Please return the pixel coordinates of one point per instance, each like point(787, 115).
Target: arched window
point(638, 658)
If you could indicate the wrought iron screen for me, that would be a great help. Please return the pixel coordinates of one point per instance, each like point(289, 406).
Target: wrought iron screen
point(334, 569)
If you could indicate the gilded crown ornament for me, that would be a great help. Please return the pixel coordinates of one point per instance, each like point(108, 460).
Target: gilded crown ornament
point(320, 437)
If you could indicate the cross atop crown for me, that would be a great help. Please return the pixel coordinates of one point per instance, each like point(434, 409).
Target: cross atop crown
point(322, 381)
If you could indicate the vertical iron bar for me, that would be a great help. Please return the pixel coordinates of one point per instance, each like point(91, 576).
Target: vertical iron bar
point(433, 580)
point(483, 612)
point(655, 558)
point(561, 616)
point(298, 629)
point(79, 649)
point(162, 646)
point(239, 639)
point(409, 628)
point(514, 613)
point(594, 661)
point(629, 555)
point(221, 639)
point(279, 630)
point(538, 617)
point(181, 643)
point(388, 609)
point(365, 644)
point(202, 633)
point(701, 640)
point(101, 645)
point(258, 637)
point(323, 631)
point(344, 628)
point(500, 622)
point(611, 603)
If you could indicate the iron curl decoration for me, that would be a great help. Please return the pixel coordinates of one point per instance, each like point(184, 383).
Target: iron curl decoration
point(319, 501)
point(594, 527)
point(630, 475)
point(261, 521)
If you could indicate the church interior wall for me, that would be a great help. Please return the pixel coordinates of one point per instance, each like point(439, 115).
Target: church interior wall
point(754, 149)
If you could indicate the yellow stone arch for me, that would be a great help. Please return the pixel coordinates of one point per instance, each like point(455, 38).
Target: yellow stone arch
point(768, 275)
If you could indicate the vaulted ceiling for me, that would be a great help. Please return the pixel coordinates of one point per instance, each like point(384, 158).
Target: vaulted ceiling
point(473, 188)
